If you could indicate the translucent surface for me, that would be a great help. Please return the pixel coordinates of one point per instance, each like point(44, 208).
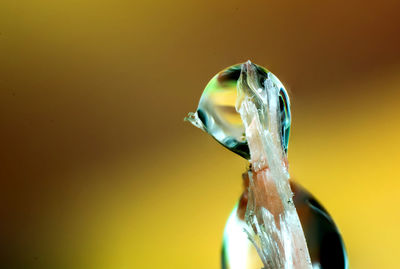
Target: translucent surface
point(217, 115)
point(324, 242)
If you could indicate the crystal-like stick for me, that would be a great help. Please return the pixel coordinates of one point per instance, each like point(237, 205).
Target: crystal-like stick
point(273, 224)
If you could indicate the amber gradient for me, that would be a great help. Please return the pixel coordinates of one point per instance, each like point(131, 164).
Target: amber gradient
point(98, 169)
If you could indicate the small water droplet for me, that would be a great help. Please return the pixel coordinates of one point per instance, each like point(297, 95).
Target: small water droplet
point(216, 113)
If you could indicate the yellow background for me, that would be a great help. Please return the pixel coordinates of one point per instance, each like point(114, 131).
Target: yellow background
point(98, 169)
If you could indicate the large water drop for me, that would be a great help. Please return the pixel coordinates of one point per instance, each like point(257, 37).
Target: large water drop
point(325, 245)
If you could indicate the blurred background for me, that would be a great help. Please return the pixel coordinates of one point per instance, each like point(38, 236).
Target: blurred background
point(98, 169)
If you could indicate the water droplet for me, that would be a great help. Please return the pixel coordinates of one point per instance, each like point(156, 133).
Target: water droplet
point(324, 242)
point(216, 113)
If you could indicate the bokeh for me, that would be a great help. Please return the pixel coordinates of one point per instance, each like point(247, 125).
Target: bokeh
point(98, 169)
